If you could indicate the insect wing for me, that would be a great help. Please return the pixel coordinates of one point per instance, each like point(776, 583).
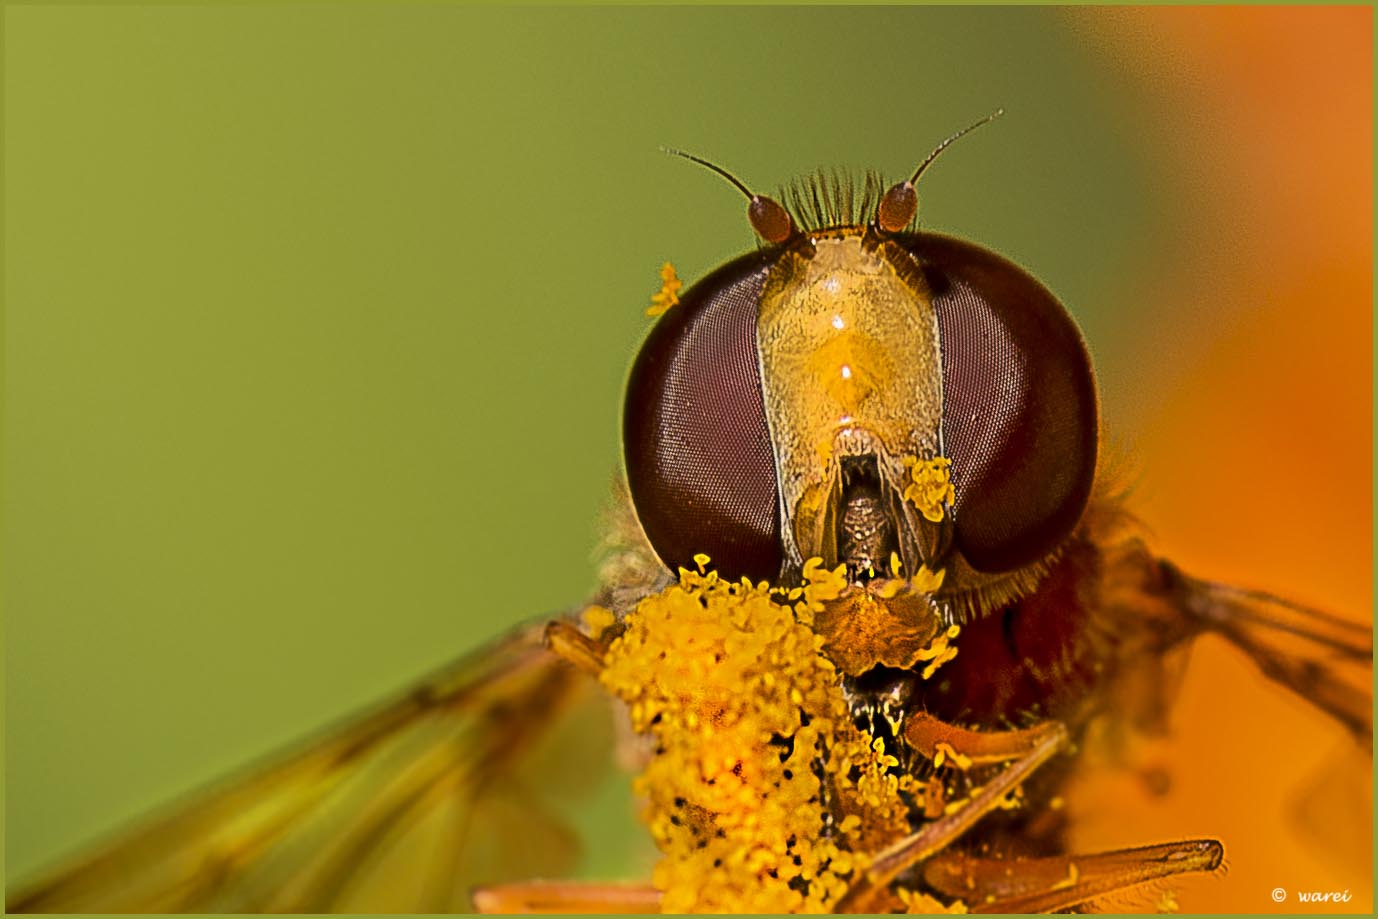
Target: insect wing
point(1322, 658)
point(404, 808)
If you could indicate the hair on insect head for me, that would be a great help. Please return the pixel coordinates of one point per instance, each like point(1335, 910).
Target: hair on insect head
point(826, 200)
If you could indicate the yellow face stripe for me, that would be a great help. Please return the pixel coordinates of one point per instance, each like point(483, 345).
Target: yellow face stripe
point(850, 364)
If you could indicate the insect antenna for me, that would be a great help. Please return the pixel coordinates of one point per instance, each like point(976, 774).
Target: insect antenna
point(901, 203)
point(768, 218)
point(947, 143)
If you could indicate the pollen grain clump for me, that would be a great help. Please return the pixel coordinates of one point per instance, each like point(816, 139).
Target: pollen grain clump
point(667, 297)
point(762, 795)
point(930, 487)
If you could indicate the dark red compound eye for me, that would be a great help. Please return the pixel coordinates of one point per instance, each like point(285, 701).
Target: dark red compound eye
point(699, 458)
point(1020, 418)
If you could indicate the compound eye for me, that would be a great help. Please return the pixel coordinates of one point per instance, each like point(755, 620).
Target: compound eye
point(1020, 418)
point(699, 458)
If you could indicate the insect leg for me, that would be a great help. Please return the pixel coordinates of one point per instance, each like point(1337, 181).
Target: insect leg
point(939, 834)
point(566, 641)
point(567, 897)
point(1040, 885)
point(926, 734)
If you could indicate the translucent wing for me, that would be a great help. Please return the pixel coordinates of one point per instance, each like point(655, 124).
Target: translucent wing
point(401, 809)
point(1324, 659)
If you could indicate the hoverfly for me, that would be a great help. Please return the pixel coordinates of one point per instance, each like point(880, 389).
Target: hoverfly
point(869, 585)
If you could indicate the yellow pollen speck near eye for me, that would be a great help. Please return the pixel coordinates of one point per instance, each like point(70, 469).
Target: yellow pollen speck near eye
point(930, 488)
point(895, 565)
point(927, 581)
point(668, 296)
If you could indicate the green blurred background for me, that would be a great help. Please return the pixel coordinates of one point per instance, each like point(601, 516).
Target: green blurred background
point(317, 320)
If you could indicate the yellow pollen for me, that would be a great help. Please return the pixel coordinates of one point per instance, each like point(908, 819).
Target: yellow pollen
point(939, 652)
point(930, 488)
point(928, 582)
point(668, 295)
point(597, 620)
point(752, 735)
point(945, 752)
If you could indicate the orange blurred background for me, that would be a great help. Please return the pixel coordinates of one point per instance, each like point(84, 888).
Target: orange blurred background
point(1257, 464)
